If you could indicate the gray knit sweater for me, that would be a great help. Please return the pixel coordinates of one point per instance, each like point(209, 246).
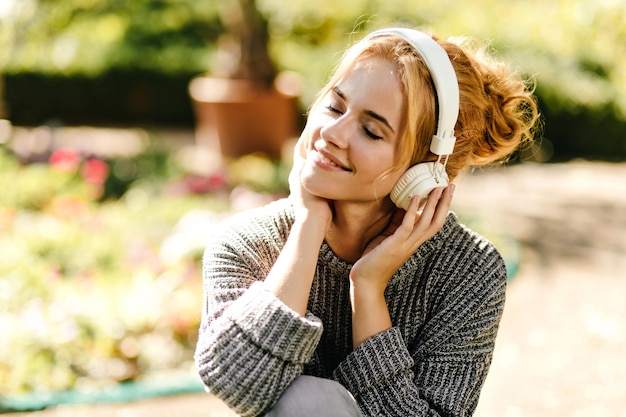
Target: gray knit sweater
point(445, 305)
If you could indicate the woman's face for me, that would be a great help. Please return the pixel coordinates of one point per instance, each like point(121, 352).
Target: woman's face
point(353, 135)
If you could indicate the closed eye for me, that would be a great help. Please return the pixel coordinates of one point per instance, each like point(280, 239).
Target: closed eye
point(371, 134)
point(332, 109)
point(368, 132)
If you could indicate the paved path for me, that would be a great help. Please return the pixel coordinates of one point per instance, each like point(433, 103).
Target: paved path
point(560, 350)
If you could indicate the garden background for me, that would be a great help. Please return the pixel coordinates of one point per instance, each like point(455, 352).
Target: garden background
point(107, 198)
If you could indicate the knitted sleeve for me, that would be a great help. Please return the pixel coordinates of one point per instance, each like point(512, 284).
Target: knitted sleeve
point(441, 375)
point(250, 345)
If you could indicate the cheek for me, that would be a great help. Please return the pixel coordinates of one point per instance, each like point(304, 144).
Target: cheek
point(385, 185)
point(379, 164)
point(315, 121)
point(388, 174)
point(382, 178)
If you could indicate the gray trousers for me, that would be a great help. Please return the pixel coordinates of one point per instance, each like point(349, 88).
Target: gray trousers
point(309, 396)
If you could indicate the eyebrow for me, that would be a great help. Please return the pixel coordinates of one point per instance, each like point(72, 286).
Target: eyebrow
point(370, 113)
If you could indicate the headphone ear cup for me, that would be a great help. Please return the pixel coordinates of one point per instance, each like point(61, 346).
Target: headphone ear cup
point(418, 180)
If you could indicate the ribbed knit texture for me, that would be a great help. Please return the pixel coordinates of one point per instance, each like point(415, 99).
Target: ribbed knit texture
point(445, 305)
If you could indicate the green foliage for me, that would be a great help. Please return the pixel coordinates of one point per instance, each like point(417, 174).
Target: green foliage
point(259, 173)
point(86, 292)
point(574, 50)
point(100, 287)
point(94, 36)
point(25, 191)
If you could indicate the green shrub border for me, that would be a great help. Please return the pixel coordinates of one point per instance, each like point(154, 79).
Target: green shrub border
point(115, 393)
point(117, 97)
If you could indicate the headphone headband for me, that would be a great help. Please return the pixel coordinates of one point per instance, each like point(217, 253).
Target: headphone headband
point(444, 78)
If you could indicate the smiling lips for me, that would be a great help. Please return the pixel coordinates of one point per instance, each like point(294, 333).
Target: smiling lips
point(327, 160)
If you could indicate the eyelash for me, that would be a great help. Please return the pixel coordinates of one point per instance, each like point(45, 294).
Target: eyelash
point(368, 132)
point(331, 109)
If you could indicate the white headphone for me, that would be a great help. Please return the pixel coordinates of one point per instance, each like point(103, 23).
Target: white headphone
point(422, 178)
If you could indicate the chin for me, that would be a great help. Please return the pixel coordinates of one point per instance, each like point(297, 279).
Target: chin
point(321, 192)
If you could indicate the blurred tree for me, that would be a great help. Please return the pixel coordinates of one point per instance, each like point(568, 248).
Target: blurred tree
point(112, 61)
point(574, 49)
point(90, 37)
point(243, 50)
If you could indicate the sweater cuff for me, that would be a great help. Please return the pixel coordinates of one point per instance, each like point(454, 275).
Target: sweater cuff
point(274, 327)
point(381, 358)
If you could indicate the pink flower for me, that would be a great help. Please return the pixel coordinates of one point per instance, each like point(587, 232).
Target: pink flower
point(65, 160)
point(198, 184)
point(95, 171)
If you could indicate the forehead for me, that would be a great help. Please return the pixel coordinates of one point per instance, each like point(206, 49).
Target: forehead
point(373, 83)
point(375, 75)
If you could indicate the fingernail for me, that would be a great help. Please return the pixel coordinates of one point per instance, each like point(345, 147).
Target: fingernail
point(452, 187)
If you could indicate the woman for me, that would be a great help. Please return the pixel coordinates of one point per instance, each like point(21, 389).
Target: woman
point(335, 301)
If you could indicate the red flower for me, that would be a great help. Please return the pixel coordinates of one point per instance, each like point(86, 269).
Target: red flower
point(198, 184)
point(95, 171)
point(65, 160)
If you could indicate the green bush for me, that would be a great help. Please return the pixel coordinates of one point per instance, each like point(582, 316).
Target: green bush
point(99, 288)
point(575, 50)
point(92, 37)
point(88, 296)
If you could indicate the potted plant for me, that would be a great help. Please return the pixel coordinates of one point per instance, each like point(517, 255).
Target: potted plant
point(244, 105)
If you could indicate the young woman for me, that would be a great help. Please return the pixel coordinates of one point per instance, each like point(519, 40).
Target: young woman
point(335, 301)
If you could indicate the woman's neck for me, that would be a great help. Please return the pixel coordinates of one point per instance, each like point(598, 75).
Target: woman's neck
point(354, 226)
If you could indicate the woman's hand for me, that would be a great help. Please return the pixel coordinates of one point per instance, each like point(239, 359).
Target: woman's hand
point(385, 254)
point(406, 232)
point(291, 276)
point(308, 207)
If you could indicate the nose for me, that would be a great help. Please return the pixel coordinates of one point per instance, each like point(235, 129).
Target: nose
point(336, 132)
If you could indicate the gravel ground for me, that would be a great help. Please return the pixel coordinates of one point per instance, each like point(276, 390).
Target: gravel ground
point(562, 344)
point(561, 350)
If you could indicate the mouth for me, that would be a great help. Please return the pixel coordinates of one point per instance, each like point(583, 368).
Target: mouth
point(329, 160)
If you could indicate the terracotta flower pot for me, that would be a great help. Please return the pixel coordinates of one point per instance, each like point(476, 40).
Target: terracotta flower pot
point(238, 117)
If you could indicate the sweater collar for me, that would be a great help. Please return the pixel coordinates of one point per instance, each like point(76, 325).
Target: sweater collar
point(435, 243)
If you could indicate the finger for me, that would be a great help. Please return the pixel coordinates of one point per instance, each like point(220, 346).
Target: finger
point(411, 215)
point(431, 205)
point(443, 206)
point(403, 222)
